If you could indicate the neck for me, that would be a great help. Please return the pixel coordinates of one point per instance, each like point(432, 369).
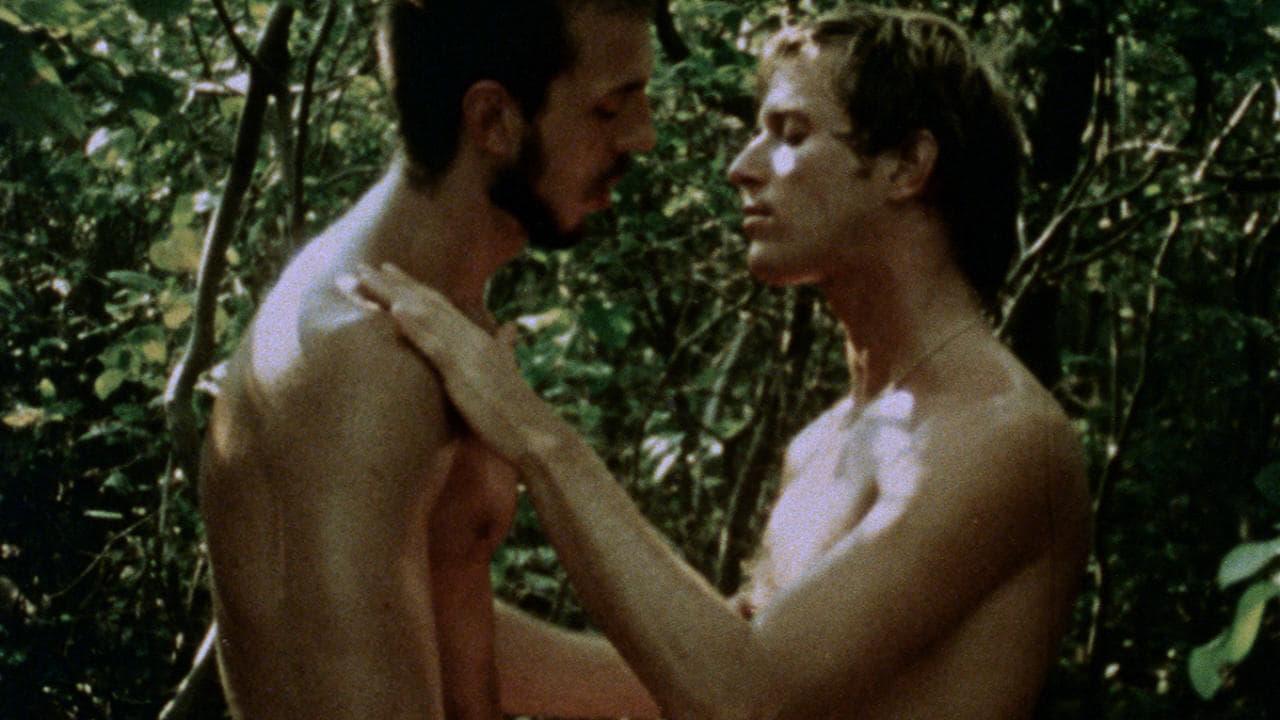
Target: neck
point(902, 315)
point(450, 236)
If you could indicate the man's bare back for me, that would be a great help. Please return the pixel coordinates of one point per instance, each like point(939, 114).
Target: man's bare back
point(349, 524)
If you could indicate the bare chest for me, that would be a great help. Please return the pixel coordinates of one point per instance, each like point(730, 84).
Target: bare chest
point(476, 507)
point(837, 471)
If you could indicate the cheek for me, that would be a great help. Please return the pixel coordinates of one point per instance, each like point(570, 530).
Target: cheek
point(783, 162)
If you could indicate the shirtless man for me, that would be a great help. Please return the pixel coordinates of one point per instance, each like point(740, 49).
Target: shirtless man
point(350, 519)
point(924, 551)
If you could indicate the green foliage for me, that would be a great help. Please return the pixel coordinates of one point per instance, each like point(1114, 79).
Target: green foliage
point(1207, 663)
point(160, 10)
point(1147, 295)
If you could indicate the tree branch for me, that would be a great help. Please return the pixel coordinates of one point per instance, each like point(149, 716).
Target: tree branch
point(193, 700)
point(298, 212)
point(1232, 123)
point(271, 63)
point(247, 56)
point(669, 36)
point(1116, 446)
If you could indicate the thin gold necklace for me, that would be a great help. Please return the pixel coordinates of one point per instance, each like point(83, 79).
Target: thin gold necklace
point(937, 348)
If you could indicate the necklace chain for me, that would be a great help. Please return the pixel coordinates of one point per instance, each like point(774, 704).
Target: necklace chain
point(937, 348)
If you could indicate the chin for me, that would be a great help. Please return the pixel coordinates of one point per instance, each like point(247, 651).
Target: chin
point(780, 271)
point(768, 273)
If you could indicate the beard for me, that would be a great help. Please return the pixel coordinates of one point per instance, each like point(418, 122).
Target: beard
point(513, 191)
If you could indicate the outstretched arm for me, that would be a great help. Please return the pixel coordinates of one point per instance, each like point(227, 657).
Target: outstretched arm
point(970, 518)
point(544, 669)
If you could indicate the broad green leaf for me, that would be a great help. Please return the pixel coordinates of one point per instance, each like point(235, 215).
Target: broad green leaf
point(611, 324)
point(160, 10)
point(1268, 483)
point(154, 351)
point(1244, 630)
point(135, 280)
point(35, 99)
point(108, 382)
point(1207, 662)
point(24, 416)
point(180, 253)
point(176, 311)
point(1204, 665)
point(184, 211)
point(1244, 561)
point(151, 93)
point(117, 481)
point(149, 343)
point(260, 11)
point(50, 13)
point(47, 389)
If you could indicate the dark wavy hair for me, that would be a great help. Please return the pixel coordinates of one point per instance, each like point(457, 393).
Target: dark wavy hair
point(901, 71)
point(433, 51)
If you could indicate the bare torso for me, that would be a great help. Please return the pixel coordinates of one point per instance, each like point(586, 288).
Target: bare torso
point(350, 525)
point(857, 472)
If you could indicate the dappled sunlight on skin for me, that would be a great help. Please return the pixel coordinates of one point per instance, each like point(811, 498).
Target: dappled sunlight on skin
point(852, 475)
point(886, 449)
point(783, 160)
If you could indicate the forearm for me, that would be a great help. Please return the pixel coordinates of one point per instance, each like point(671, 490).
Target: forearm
point(547, 670)
point(695, 654)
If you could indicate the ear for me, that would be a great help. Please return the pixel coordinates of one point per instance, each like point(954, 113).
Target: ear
point(914, 163)
point(491, 119)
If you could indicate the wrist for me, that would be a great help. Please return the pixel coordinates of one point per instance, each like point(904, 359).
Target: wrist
point(554, 451)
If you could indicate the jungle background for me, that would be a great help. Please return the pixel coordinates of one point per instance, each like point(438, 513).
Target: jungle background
point(161, 159)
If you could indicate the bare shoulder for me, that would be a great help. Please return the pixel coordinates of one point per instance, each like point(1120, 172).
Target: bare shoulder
point(320, 380)
point(1017, 452)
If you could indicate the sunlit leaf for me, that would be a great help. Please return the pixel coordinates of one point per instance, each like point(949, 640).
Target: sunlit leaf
point(1244, 561)
point(180, 253)
point(108, 382)
point(54, 13)
point(154, 351)
point(176, 312)
point(1207, 662)
point(24, 416)
point(135, 280)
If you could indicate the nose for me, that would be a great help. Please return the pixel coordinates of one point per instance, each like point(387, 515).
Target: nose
point(639, 135)
point(744, 171)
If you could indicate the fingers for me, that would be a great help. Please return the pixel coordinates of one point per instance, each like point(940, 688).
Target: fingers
point(387, 287)
point(349, 286)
